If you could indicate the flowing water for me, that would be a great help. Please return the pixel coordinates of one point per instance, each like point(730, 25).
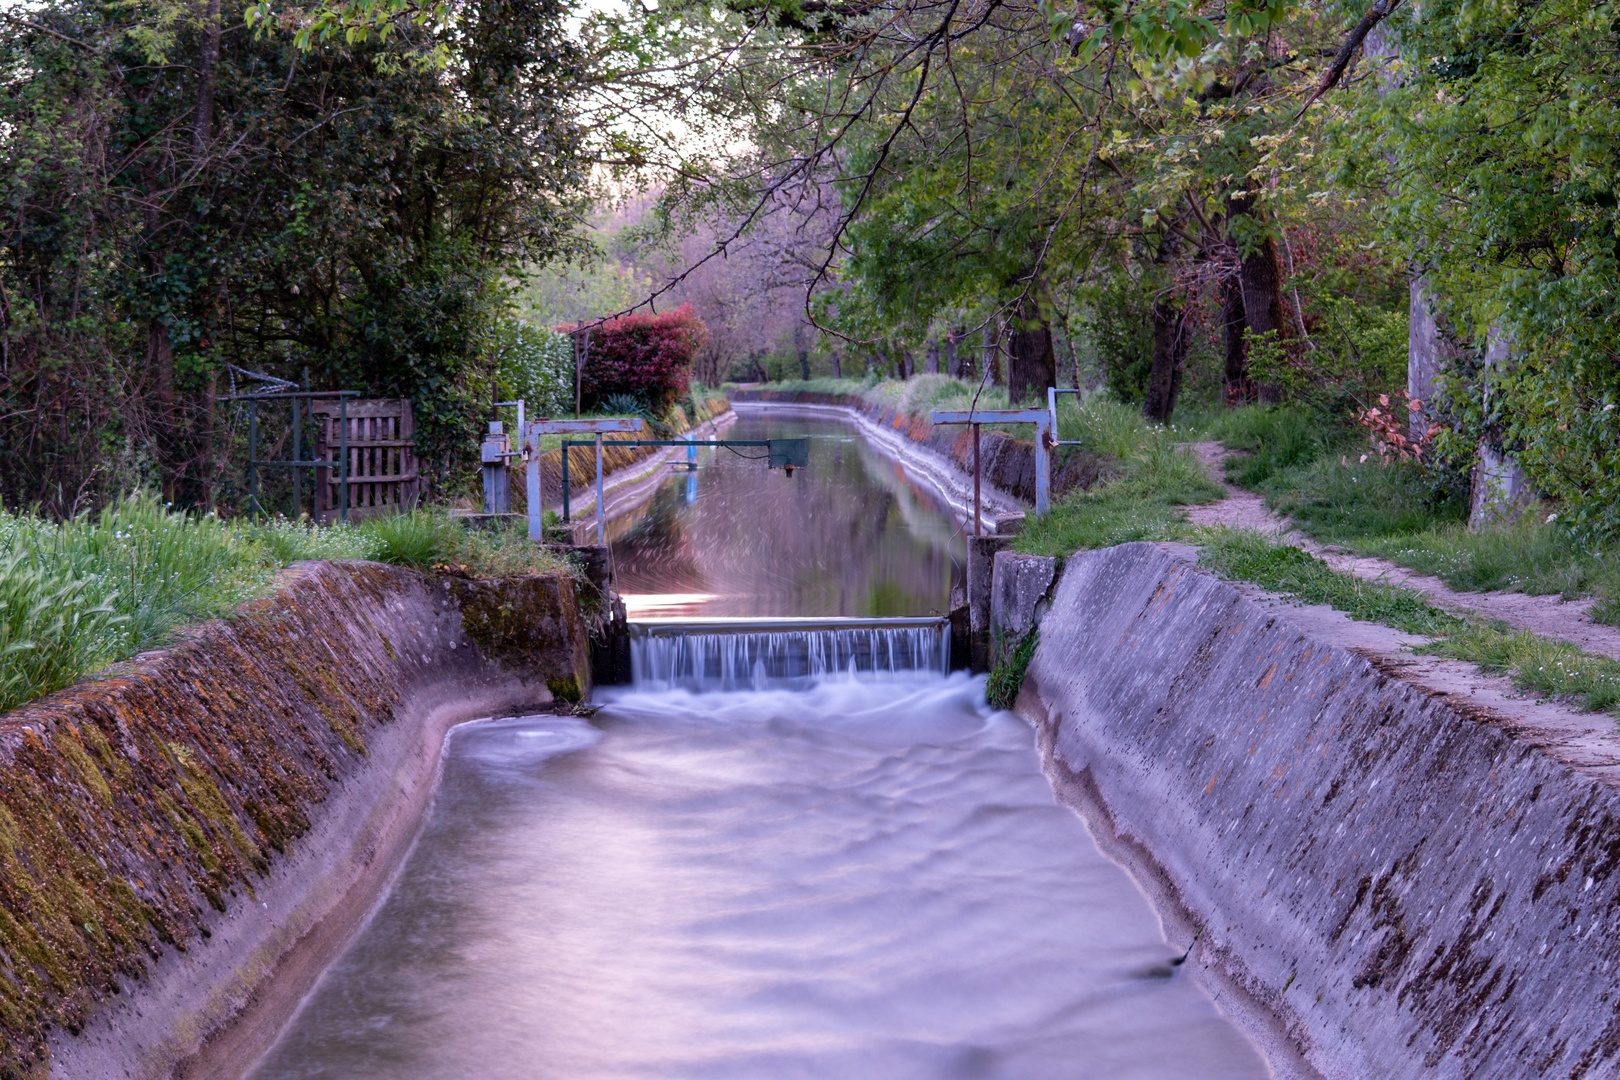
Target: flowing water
point(844, 876)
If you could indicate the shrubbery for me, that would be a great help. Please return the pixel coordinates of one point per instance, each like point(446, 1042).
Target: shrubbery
point(534, 364)
point(648, 356)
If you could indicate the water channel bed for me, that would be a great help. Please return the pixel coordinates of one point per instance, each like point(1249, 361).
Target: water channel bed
point(850, 876)
point(860, 880)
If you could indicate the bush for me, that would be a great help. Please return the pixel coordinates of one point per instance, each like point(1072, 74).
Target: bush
point(533, 364)
point(649, 356)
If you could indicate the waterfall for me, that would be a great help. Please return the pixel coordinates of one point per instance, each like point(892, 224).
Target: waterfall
point(744, 654)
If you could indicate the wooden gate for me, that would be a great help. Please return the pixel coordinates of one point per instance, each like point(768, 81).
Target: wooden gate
point(383, 475)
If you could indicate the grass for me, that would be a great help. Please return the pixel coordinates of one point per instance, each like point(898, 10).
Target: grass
point(78, 595)
point(1553, 669)
point(1271, 439)
point(1246, 556)
point(1007, 678)
point(1153, 478)
point(1390, 511)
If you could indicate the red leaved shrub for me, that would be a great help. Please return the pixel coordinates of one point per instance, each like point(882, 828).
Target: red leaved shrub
point(649, 356)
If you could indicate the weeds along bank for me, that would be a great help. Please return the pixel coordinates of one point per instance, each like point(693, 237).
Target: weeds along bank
point(184, 839)
point(78, 595)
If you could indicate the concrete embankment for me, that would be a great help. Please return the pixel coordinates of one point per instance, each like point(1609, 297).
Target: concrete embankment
point(1007, 463)
point(1384, 880)
point(185, 843)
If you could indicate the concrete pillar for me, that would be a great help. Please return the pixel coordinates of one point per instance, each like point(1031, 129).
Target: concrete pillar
point(980, 579)
point(1500, 488)
point(1427, 348)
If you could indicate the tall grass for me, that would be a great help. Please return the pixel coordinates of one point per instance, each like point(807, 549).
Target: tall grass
point(1274, 438)
point(1338, 498)
point(78, 595)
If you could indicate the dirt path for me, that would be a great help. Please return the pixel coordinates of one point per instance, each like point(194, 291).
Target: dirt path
point(1547, 616)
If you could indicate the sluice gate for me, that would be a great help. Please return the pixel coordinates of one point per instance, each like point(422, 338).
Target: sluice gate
point(752, 654)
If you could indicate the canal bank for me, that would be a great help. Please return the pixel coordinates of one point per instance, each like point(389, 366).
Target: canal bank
point(185, 842)
point(1390, 867)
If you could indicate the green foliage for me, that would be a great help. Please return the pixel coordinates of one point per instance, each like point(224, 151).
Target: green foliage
point(533, 364)
point(1493, 168)
point(348, 210)
point(1007, 678)
point(1247, 556)
point(1119, 333)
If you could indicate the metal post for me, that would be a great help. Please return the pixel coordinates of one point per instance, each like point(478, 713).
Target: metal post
point(601, 514)
point(298, 455)
point(253, 456)
point(978, 515)
point(1043, 468)
point(531, 482)
point(343, 448)
point(566, 518)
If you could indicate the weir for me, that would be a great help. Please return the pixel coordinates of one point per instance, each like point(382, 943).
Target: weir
point(753, 654)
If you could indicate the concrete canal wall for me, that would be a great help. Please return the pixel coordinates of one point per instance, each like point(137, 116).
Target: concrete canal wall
point(185, 843)
point(1007, 463)
point(1384, 878)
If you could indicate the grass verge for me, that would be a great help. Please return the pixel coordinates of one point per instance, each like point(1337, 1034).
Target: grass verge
point(1141, 501)
point(1246, 556)
point(78, 595)
point(1552, 669)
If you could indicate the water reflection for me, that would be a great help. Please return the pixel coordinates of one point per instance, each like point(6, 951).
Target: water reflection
point(850, 535)
point(860, 881)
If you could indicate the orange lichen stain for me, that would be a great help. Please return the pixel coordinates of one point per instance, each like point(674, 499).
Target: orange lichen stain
point(1211, 786)
point(1267, 677)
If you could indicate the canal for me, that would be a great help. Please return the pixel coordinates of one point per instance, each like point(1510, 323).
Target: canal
point(864, 877)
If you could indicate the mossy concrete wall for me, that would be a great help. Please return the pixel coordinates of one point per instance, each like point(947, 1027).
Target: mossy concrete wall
point(1386, 881)
point(186, 842)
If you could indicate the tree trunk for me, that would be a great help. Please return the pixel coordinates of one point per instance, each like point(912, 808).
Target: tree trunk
point(203, 123)
point(931, 363)
point(991, 344)
point(1427, 348)
point(1500, 489)
point(1031, 360)
point(1169, 357)
point(1239, 387)
point(838, 365)
point(804, 365)
point(1260, 282)
point(959, 360)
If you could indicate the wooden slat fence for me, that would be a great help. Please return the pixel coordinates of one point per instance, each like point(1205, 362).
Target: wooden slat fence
point(383, 474)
